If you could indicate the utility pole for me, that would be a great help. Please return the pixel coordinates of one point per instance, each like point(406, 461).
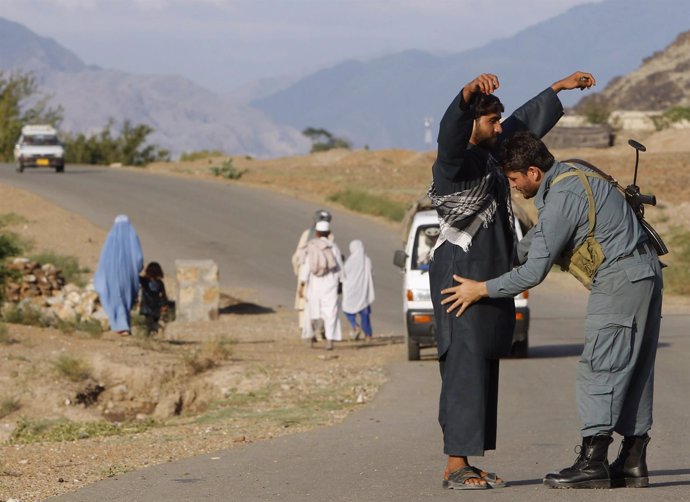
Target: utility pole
point(428, 137)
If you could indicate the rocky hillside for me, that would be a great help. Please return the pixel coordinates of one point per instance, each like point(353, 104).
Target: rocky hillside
point(662, 81)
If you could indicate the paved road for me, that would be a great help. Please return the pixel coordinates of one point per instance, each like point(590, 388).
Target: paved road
point(389, 450)
point(251, 233)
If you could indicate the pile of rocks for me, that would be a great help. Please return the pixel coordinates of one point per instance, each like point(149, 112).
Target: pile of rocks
point(34, 280)
point(42, 289)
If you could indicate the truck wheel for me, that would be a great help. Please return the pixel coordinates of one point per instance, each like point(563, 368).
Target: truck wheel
point(412, 350)
point(60, 169)
point(519, 350)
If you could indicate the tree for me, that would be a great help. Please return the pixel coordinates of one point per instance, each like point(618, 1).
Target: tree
point(15, 90)
point(322, 140)
point(128, 147)
point(596, 109)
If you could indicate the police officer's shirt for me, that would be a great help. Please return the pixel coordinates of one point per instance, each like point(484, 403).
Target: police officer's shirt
point(563, 224)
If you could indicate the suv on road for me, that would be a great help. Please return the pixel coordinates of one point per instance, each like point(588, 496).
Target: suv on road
point(39, 146)
point(417, 307)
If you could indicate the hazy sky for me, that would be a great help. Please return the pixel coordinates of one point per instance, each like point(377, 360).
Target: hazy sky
point(223, 44)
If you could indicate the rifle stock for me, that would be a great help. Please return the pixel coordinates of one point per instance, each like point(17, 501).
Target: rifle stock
point(654, 238)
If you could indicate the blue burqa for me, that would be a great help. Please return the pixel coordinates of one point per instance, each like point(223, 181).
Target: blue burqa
point(117, 276)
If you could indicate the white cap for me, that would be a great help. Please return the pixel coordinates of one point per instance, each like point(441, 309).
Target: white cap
point(322, 226)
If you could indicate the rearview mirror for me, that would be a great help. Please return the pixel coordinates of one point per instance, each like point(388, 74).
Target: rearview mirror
point(399, 258)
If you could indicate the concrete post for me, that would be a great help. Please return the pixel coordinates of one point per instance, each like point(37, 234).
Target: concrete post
point(198, 294)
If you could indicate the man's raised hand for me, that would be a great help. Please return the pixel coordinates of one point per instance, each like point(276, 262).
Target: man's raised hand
point(578, 80)
point(486, 83)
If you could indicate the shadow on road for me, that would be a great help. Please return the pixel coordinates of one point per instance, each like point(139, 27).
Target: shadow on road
point(246, 308)
point(548, 351)
point(668, 472)
point(525, 482)
point(566, 350)
point(51, 171)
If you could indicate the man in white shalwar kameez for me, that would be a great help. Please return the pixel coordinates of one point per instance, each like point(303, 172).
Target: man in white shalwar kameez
point(321, 288)
point(297, 260)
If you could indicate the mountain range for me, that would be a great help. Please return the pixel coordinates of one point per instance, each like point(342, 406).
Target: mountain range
point(382, 103)
point(184, 115)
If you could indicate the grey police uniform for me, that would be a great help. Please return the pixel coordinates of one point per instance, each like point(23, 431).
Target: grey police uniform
point(615, 374)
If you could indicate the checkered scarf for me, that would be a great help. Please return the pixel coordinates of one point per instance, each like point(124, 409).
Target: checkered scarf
point(461, 214)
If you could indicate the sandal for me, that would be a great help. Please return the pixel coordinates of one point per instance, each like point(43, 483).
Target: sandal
point(491, 478)
point(457, 480)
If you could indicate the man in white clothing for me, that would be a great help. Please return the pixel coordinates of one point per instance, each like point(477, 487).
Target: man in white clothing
point(298, 259)
point(320, 275)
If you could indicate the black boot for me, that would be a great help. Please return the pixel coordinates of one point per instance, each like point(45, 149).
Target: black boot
point(590, 470)
point(630, 468)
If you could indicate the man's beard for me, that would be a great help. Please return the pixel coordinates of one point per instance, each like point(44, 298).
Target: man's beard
point(488, 143)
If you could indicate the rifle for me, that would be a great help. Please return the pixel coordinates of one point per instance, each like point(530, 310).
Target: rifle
point(634, 197)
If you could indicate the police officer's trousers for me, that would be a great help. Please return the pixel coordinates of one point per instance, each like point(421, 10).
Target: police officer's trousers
point(615, 377)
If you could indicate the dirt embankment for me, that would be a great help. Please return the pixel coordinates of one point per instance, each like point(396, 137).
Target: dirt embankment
point(122, 403)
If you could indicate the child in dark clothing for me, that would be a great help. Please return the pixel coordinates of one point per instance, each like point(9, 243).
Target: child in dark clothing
point(153, 297)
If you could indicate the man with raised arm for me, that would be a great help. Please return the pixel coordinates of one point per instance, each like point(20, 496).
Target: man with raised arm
point(586, 224)
point(477, 239)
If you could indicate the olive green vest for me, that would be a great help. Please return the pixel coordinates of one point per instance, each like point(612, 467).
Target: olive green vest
point(584, 261)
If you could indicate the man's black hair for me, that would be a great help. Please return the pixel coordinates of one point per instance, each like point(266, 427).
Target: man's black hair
point(522, 150)
point(487, 104)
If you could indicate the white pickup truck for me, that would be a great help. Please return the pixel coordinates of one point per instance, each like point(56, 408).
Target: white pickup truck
point(422, 232)
point(39, 146)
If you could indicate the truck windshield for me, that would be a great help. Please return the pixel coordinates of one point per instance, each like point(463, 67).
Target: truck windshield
point(424, 242)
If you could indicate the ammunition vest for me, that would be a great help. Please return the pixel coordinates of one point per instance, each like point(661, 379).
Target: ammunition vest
point(584, 261)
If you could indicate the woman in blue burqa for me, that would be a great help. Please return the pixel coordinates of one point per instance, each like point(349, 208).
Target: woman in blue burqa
point(117, 276)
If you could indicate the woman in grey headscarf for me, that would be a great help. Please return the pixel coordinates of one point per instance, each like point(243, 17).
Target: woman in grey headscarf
point(358, 290)
point(117, 277)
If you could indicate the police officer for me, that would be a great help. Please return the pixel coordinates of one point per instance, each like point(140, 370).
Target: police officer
point(585, 224)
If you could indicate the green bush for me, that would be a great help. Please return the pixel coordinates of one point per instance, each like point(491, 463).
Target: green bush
point(364, 202)
point(27, 315)
point(11, 245)
point(199, 155)
point(8, 219)
point(227, 170)
point(322, 140)
point(128, 146)
point(670, 116)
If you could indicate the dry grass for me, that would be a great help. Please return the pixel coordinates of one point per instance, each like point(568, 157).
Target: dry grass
point(210, 355)
point(74, 369)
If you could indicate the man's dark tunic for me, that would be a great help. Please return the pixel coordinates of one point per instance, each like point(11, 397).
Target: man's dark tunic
point(469, 346)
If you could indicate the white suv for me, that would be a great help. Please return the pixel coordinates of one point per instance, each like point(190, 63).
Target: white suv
point(417, 307)
point(39, 146)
